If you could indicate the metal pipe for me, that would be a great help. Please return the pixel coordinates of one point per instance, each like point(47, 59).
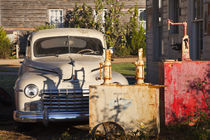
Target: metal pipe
point(139, 68)
point(185, 40)
point(180, 23)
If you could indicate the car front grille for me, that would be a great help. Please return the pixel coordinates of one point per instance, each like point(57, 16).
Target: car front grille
point(66, 100)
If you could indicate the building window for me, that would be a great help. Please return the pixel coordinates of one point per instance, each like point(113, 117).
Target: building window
point(159, 11)
point(56, 17)
point(142, 17)
point(174, 15)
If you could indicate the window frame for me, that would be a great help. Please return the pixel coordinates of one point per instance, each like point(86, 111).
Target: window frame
point(50, 14)
point(141, 10)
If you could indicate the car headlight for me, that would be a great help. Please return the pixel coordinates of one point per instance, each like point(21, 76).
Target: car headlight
point(31, 91)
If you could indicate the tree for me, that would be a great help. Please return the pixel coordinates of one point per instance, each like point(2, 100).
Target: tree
point(80, 17)
point(113, 27)
point(135, 33)
point(5, 45)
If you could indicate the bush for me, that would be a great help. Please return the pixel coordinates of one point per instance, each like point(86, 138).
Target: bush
point(135, 33)
point(5, 45)
point(113, 26)
point(80, 17)
point(43, 27)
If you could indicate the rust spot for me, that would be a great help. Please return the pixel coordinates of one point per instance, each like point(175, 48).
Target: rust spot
point(187, 84)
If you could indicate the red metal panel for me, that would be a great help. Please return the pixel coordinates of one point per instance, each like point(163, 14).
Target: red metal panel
point(187, 87)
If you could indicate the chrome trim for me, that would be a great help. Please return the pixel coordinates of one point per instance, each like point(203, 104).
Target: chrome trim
point(58, 105)
point(84, 91)
point(75, 101)
point(50, 116)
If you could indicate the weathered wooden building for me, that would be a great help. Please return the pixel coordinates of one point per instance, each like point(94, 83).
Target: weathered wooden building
point(163, 44)
point(30, 13)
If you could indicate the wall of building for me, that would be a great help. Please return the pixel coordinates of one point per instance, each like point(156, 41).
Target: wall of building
point(206, 38)
point(152, 42)
point(30, 13)
point(172, 40)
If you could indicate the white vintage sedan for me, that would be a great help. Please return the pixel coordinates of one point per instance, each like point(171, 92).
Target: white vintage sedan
point(53, 81)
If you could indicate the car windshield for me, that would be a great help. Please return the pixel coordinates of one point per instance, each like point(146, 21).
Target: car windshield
point(62, 45)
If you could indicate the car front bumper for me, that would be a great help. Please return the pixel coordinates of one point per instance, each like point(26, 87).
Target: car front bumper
point(46, 117)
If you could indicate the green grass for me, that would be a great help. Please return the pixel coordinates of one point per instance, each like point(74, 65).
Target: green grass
point(124, 68)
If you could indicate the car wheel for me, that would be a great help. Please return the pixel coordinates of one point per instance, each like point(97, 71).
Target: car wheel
point(108, 131)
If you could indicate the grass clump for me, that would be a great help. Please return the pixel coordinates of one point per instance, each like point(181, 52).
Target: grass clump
point(124, 68)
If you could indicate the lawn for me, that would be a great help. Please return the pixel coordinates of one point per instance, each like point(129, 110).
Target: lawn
point(124, 68)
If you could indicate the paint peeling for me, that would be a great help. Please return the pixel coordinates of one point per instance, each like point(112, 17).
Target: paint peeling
point(187, 89)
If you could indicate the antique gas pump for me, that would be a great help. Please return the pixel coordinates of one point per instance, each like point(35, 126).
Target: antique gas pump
point(107, 69)
point(139, 68)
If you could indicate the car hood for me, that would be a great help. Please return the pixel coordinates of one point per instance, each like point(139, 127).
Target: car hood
point(66, 67)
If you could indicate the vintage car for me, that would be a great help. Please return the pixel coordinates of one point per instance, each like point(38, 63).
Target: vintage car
point(54, 78)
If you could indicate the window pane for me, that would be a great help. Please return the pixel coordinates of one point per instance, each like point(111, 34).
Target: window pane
point(56, 17)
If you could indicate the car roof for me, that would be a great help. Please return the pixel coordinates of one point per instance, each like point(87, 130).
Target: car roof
point(67, 32)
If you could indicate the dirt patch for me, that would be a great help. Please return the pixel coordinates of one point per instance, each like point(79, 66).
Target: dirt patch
point(9, 135)
point(13, 62)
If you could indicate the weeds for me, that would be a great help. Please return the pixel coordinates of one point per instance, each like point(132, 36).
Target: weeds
point(196, 127)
